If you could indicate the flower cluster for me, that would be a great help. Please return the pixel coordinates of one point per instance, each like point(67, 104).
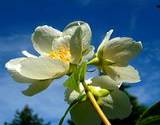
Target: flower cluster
point(66, 53)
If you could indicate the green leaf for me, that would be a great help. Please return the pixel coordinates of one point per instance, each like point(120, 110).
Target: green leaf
point(84, 114)
point(151, 116)
point(76, 101)
point(119, 107)
point(151, 120)
point(154, 110)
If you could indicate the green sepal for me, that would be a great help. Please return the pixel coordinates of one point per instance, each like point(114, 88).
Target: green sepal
point(94, 61)
point(108, 62)
point(97, 91)
point(73, 81)
point(72, 68)
point(82, 71)
point(76, 77)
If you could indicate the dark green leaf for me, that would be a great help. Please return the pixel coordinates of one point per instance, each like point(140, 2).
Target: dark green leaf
point(70, 107)
point(84, 114)
point(151, 120)
point(151, 116)
point(154, 110)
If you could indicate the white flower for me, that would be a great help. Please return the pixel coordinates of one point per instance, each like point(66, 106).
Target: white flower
point(114, 55)
point(57, 50)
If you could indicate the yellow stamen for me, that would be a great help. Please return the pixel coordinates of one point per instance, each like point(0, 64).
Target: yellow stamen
point(62, 54)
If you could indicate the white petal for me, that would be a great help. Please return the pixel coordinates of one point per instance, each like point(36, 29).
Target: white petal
point(27, 54)
point(42, 38)
point(61, 42)
point(105, 82)
point(89, 54)
point(14, 64)
point(71, 95)
point(121, 106)
point(123, 74)
point(19, 78)
point(43, 68)
point(105, 40)
point(76, 46)
point(121, 51)
point(85, 35)
point(37, 87)
point(12, 67)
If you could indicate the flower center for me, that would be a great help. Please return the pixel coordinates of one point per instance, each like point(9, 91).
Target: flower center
point(62, 54)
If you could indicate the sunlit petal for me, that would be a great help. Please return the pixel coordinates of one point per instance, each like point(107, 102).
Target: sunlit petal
point(121, 50)
point(37, 87)
point(43, 68)
point(104, 42)
point(86, 33)
point(123, 74)
point(105, 82)
point(42, 38)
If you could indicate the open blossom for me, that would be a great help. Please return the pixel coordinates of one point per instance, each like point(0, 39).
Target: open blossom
point(57, 51)
point(113, 56)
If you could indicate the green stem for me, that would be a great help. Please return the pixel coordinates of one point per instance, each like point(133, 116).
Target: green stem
point(96, 106)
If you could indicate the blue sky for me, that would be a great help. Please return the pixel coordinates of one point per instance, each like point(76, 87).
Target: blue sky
point(139, 19)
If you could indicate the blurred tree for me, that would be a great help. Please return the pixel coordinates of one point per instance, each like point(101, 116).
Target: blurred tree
point(26, 117)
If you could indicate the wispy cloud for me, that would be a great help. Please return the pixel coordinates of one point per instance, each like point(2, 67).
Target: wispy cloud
point(148, 64)
point(48, 104)
point(85, 2)
point(133, 22)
